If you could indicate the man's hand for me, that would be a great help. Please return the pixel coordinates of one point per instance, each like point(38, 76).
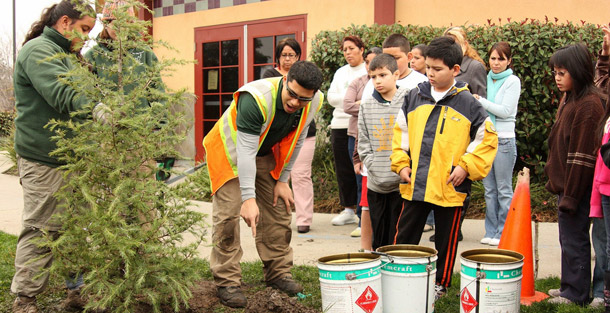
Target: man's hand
point(249, 212)
point(405, 175)
point(457, 176)
point(606, 43)
point(283, 191)
point(358, 168)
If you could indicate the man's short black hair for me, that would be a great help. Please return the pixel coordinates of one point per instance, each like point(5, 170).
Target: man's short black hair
point(445, 48)
point(307, 74)
point(383, 60)
point(397, 41)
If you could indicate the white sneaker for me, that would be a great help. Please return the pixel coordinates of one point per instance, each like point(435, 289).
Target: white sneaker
point(554, 292)
point(560, 300)
point(346, 217)
point(597, 303)
point(494, 242)
point(355, 232)
point(485, 240)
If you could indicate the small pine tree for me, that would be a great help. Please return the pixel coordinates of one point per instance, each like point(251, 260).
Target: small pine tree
point(123, 231)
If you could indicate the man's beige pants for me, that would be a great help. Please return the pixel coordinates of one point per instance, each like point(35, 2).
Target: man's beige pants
point(273, 232)
point(40, 183)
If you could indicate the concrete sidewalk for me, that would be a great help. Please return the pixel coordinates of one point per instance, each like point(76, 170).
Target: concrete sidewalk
point(323, 239)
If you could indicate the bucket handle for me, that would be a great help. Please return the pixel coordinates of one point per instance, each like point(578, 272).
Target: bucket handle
point(352, 276)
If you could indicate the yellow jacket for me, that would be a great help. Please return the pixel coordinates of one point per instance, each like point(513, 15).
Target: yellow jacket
point(432, 138)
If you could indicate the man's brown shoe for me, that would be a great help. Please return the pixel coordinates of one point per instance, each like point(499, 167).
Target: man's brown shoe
point(232, 297)
point(286, 284)
point(25, 305)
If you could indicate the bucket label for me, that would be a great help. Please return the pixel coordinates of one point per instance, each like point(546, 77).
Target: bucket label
point(406, 268)
point(468, 301)
point(492, 274)
point(368, 300)
point(349, 275)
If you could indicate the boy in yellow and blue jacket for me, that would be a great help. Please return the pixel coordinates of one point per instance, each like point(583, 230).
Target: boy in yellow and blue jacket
point(443, 140)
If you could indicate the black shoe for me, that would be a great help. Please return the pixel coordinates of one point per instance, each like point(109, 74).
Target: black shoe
point(286, 284)
point(460, 237)
point(232, 297)
point(303, 229)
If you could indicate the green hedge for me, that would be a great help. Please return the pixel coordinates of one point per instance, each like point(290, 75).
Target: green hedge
point(533, 42)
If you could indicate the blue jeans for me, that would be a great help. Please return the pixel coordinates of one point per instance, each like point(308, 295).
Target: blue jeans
point(499, 188)
point(599, 242)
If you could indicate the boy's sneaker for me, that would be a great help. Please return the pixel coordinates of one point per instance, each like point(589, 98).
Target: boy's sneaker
point(597, 303)
point(286, 284)
point(346, 217)
point(439, 291)
point(428, 228)
point(25, 305)
point(494, 242)
point(232, 297)
point(554, 293)
point(560, 300)
point(460, 237)
point(355, 232)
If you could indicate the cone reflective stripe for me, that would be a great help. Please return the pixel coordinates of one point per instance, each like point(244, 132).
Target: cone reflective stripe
point(517, 236)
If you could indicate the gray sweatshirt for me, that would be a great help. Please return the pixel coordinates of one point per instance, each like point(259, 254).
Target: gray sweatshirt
point(375, 130)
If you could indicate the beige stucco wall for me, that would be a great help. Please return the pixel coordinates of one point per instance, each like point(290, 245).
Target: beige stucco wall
point(179, 30)
point(442, 13)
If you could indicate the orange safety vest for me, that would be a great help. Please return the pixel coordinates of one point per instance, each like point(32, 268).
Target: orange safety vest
point(220, 144)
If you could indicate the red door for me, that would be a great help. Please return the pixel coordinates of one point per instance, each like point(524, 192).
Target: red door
point(229, 56)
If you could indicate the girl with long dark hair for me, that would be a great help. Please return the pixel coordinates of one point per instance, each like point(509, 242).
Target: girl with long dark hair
point(570, 167)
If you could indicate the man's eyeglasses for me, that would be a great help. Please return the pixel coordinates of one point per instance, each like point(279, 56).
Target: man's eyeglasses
point(288, 56)
point(294, 95)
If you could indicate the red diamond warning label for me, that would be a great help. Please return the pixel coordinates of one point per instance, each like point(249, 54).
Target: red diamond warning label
point(368, 300)
point(468, 301)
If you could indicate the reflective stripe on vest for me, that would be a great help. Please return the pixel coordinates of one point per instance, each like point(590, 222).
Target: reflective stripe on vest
point(220, 143)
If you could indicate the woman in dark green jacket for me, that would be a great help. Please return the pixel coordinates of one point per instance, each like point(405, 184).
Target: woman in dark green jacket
point(40, 97)
point(136, 75)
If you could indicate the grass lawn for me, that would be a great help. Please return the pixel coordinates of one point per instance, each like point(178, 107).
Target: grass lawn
point(252, 275)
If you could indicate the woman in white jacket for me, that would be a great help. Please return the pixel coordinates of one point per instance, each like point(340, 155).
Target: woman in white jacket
point(342, 144)
point(503, 90)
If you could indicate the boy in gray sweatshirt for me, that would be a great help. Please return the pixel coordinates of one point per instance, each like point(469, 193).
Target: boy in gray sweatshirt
point(375, 124)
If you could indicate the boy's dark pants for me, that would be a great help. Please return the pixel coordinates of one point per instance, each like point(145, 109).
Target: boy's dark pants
point(447, 225)
point(384, 209)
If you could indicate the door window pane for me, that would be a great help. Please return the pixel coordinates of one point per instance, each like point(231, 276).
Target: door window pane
point(207, 126)
point(211, 107)
point(226, 102)
point(230, 52)
point(211, 80)
point(210, 54)
point(260, 70)
point(263, 50)
point(230, 79)
point(281, 37)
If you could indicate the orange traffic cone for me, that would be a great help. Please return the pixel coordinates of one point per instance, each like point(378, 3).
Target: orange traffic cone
point(517, 236)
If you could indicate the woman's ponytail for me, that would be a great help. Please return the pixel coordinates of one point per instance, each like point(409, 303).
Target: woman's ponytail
point(52, 14)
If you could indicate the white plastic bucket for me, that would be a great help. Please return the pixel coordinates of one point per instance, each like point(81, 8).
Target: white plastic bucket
point(490, 281)
point(351, 282)
point(407, 278)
